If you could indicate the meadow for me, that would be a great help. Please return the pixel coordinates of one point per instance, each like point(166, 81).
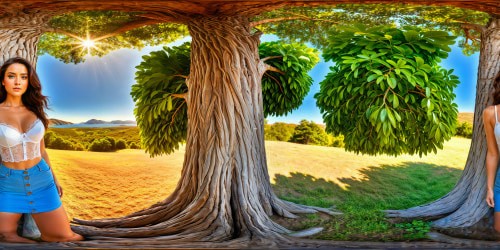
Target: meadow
point(113, 184)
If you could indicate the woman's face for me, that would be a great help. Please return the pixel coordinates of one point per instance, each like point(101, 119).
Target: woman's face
point(16, 79)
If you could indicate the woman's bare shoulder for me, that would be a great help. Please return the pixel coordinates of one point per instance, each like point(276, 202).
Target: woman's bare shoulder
point(489, 112)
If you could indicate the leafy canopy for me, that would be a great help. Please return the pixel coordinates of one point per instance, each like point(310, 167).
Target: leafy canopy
point(63, 43)
point(387, 93)
point(161, 113)
point(162, 118)
point(317, 24)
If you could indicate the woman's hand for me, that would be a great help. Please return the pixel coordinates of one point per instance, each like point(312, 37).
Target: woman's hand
point(489, 198)
point(59, 189)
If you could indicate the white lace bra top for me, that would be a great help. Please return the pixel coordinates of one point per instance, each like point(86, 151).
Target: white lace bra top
point(16, 146)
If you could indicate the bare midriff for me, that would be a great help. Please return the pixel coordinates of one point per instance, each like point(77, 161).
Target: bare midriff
point(22, 165)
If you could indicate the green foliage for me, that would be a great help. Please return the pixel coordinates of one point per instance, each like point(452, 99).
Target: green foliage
point(161, 117)
point(316, 24)
point(80, 139)
point(284, 91)
point(278, 131)
point(60, 143)
point(63, 44)
point(387, 93)
point(102, 145)
point(336, 141)
point(308, 132)
point(362, 200)
point(417, 229)
point(464, 129)
point(120, 144)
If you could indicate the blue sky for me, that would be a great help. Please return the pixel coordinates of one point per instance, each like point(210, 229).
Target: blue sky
point(100, 87)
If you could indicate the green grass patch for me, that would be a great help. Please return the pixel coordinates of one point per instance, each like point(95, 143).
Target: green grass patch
point(363, 200)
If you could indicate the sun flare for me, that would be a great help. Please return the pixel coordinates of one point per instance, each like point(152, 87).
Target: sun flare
point(88, 43)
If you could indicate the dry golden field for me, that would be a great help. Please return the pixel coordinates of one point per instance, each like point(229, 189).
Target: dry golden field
point(98, 185)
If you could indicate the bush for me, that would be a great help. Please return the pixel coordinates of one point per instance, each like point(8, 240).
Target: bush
point(278, 131)
point(48, 138)
point(120, 144)
point(309, 133)
point(336, 141)
point(133, 145)
point(60, 143)
point(464, 129)
point(101, 145)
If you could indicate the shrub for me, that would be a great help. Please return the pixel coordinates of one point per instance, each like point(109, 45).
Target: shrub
point(464, 129)
point(309, 133)
point(133, 145)
point(60, 143)
point(101, 145)
point(278, 131)
point(336, 141)
point(120, 144)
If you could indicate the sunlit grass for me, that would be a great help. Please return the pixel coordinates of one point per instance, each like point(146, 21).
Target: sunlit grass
point(98, 185)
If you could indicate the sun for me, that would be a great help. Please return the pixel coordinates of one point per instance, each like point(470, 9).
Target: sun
point(88, 43)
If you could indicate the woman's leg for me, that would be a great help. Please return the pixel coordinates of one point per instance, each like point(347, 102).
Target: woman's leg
point(54, 226)
point(8, 228)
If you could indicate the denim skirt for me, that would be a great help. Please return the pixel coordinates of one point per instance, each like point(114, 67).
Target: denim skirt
point(28, 191)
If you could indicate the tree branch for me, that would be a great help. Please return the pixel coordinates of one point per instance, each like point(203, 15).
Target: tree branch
point(130, 26)
point(274, 69)
point(473, 26)
point(270, 57)
point(281, 19)
point(183, 95)
point(126, 27)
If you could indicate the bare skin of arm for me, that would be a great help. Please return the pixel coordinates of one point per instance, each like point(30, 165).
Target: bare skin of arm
point(45, 156)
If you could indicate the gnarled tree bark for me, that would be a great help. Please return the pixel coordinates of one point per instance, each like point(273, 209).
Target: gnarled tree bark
point(225, 190)
point(19, 35)
point(464, 211)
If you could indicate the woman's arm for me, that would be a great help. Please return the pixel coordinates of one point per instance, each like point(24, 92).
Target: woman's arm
point(492, 153)
point(45, 156)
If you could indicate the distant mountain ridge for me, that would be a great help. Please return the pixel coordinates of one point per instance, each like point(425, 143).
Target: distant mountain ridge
point(96, 121)
point(53, 121)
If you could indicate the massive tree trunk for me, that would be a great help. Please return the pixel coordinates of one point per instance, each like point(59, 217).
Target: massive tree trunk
point(465, 207)
point(19, 35)
point(224, 192)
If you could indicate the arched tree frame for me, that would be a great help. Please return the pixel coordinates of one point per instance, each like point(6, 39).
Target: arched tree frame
point(224, 195)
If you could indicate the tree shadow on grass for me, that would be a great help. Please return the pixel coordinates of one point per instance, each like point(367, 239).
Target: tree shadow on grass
point(363, 199)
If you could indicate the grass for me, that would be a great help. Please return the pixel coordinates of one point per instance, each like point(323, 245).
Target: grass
point(99, 185)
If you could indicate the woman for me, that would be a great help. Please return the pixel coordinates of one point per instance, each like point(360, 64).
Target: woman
point(492, 131)
point(27, 182)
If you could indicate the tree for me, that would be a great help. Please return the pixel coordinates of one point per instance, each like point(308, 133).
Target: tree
point(278, 131)
point(161, 88)
point(308, 132)
point(387, 93)
point(225, 168)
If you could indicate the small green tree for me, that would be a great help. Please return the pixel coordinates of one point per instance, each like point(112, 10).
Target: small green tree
point(120, 144)
point(101, 145)
point(278, 131)
point(308, 132)
point(386, 92)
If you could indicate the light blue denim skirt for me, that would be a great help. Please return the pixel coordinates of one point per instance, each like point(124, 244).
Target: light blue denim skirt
point(28, 191)
point(496, 191)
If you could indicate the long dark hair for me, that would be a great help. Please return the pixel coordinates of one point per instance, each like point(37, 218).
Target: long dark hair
point(32, 98)
point(496, 90)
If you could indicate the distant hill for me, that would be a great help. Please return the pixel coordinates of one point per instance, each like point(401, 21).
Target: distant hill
point(53, 121)
point(95, 121)
point(466, 117)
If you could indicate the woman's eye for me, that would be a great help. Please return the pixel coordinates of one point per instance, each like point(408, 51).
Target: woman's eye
point(24, 77)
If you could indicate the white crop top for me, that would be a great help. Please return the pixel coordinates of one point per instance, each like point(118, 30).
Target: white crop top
point(16, 146)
